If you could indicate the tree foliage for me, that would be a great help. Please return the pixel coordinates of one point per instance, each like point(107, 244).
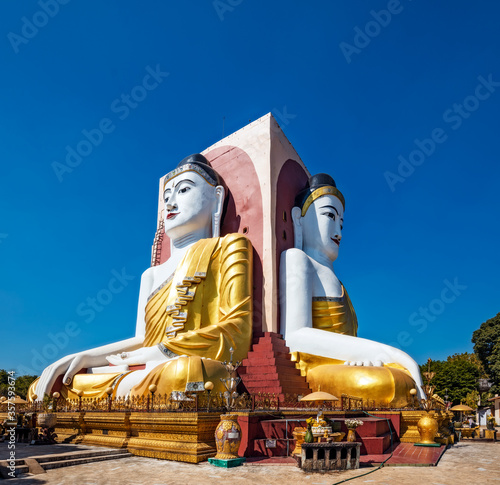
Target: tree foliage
point(486, 340)
point(4, 382)
point(456, 376)
point(22, 384)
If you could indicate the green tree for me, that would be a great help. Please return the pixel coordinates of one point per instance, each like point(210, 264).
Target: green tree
point(456, 376)
point(22, 384)
point(486, 340)
point(4, 382)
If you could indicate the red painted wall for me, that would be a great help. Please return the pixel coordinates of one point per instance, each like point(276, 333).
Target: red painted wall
point(291, 180)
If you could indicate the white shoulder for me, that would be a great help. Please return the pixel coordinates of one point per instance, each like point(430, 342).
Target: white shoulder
point(149, 277)
point(149, 272)
point(296, 257)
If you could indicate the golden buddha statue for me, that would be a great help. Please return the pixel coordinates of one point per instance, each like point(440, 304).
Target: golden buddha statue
point(317, 317)
point(192, 309)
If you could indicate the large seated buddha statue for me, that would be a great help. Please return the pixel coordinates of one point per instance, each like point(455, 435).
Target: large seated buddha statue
point(192, 309)
point(317, 318)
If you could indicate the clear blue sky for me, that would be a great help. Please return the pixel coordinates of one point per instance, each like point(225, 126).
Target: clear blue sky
point(353, 110)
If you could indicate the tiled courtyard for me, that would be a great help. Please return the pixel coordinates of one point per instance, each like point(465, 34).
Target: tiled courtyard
point(465, 463)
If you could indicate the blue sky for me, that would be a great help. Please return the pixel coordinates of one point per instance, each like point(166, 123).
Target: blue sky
point(419, 254)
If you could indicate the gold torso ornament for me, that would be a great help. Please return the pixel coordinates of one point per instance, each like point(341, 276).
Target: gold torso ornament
point(205, 308)
point(334, 314)
point(200, 313)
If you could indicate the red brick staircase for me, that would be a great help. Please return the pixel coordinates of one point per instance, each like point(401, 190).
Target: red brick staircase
point(269, 369)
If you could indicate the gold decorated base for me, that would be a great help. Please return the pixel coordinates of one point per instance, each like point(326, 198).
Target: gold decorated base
point(409, 426)
point(186, 437)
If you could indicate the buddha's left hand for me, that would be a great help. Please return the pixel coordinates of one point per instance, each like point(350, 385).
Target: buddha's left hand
point(137, 357)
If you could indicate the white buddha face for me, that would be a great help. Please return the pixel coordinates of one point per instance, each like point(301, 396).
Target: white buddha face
point(190, 202)
point(322, 226)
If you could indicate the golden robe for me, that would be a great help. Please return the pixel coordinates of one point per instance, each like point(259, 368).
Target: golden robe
point(199, 313)
point(203, 315)
point(389, 384)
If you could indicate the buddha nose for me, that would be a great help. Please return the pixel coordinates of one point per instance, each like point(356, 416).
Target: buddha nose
point(171, 206)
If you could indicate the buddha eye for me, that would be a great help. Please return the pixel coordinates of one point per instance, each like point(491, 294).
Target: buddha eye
point(183, 190)
point(331, 215)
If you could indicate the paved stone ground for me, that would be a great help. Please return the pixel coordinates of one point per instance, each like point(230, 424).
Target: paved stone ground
point(465, 464)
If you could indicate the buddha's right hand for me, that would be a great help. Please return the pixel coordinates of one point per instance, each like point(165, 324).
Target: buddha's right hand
point(68, 366)
point(51, 373)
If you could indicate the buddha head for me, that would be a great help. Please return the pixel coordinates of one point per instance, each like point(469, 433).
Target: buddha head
point(194, 198)
point(318, 217)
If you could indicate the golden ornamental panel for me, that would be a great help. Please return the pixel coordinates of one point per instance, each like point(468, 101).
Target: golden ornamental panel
point(165, 455)
point(182, 436)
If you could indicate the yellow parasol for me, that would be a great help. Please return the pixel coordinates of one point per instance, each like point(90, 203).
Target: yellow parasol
point(319, 396)
point(461, 408)
point(16, 400)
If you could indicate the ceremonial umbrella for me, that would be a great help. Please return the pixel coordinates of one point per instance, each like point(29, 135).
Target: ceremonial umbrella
point(461, 408)
point(16, 401)
point(321, 397)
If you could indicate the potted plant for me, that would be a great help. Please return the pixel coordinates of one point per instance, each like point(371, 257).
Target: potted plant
point(352, 424)
point(308, 437)
point(490, 422)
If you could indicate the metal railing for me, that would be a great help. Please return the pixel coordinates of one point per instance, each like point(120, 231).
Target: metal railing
point(204, 402)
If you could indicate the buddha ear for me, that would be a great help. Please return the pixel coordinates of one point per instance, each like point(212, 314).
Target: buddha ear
point(297, 227)
point(217, 215)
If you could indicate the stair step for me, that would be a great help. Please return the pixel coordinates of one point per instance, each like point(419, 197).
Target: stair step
point(259, 367)
point(49, 462)
point(265, 355)
point(376, 445)
point(77, 454)
point(19, 470)
point(269, 368)
point(81, 461)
